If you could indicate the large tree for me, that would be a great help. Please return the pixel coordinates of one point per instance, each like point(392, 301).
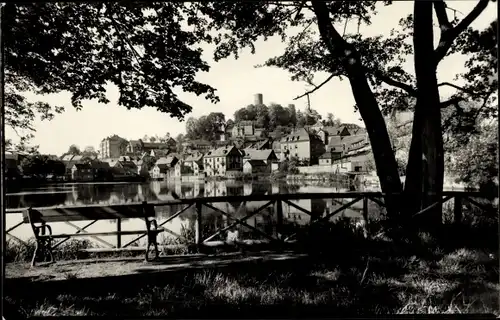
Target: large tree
point(374, 67)
point(143, 49)
point(206, 127)
point(278, 116)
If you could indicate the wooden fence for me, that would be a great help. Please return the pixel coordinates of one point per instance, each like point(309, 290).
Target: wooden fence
point(274, 200)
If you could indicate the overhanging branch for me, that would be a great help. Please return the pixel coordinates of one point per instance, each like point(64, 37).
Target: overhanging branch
point(398, 84)
point(316, 87)
point(472, 93)
point(449, 35)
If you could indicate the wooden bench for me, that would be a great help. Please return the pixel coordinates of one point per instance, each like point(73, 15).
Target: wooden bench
point(40, 220)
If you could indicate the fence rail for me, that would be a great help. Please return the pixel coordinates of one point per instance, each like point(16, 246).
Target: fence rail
point(271, 200)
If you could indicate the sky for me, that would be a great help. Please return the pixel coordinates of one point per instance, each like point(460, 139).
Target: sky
point(236, 81)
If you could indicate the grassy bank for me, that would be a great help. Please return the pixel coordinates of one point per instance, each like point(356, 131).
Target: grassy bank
point(370, 276)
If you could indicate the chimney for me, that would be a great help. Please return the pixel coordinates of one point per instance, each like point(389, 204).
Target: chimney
point(258, 99)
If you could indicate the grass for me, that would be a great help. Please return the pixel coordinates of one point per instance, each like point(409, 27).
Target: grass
point(371, 276)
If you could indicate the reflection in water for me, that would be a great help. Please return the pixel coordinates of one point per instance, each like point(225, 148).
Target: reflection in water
point(265, 220)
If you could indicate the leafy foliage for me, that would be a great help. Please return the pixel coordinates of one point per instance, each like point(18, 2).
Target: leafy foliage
point(42, 166)
point(206, 127)
point(331, 121)
point(476, 163)
point(81, 47)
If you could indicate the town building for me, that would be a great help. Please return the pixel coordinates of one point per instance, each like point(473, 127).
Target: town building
point(195, 162)
point(302, 145)
point(112, 147)
point(327, 133)
point(328, 158)
point(140, 147)
point(159, 171)
point(243, 128)
point(82, 172)
point(268, 155)
point(197, 145)
point(256, 167)
point(222, 160)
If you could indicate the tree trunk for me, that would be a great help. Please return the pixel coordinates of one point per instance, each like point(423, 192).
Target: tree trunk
point(385, 160)
point(425, 172)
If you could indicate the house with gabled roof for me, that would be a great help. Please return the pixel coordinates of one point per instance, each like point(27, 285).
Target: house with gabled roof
point(267, 155)
point(82, 172)
point(218, 162)
point(327, 133)
point(197, 145)
point(303, 145)
point(195, 162)
point(256, 166)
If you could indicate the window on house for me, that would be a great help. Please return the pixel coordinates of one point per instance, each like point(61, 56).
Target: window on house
point(296, 147)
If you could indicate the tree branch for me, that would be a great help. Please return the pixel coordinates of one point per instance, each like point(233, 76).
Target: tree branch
point(485, 101)
point(449, 102)
point(472, 93)
point(406, 87)
point(440, 8)
point(316, 87)
point(449, 35)
point(302, 4)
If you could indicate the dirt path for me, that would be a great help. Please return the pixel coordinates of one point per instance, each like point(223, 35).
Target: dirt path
point(92, 268)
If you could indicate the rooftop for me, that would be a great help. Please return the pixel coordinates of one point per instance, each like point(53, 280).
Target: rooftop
point(219, 152)
point(256, 154)
point(257, 163)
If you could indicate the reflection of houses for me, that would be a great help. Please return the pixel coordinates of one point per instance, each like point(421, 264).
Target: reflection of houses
point(315, 206)
point(215, 189)
point(221, 160)
point(302, 145)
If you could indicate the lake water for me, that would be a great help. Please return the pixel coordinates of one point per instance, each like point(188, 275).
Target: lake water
point(118, 193)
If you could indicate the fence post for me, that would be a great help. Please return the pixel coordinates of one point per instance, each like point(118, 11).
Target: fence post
point(279, 219)
point(457, 210)
point(199, 227)
point(119, 236)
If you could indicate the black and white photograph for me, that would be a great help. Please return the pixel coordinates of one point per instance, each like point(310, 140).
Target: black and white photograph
point(249, 159)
